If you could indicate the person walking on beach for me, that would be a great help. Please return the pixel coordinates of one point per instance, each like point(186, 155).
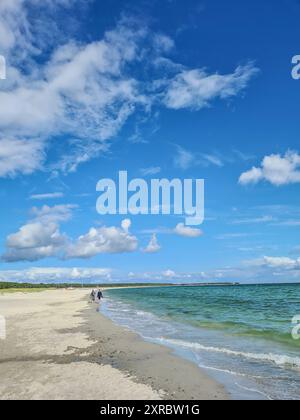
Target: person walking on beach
point(93, 295)
point(99, 295)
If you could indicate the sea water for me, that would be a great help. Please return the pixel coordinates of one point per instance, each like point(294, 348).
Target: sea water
point(241, 335)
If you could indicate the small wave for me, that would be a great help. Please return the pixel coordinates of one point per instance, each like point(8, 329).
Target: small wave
point(268, 397)
point(231, 372)
point(142, 313)
point(279, 360)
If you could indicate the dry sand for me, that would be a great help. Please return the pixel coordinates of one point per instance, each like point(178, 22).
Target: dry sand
point(59, 347)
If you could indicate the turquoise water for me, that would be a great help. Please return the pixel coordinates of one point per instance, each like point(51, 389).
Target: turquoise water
point(242, 335)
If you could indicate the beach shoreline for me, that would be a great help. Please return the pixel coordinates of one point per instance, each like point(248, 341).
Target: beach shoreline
point(56, 337)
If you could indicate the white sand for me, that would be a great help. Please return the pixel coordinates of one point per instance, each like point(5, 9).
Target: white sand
point(59, 347)
point(34, 322)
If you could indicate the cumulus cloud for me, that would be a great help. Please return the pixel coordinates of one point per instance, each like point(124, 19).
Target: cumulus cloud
point(57, 275)
point(187, 231)
point(279, 263)
point(153, 246)
point(54, 214)
point(196, 89)
point(172, 275)
point(41, 238)
point(20, 156)
point(276, 169)
point(169, 274)
point(126, 224)
point(33, 242)
point(104, 240)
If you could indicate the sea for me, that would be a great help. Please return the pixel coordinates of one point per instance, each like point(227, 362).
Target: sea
point(247, 337)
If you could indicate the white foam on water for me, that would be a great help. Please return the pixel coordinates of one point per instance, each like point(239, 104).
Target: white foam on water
point(254, 391)
point(279, 360)
point(223, 362)
point(230, 372)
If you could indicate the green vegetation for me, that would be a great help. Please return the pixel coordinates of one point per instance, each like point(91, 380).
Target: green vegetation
point(43, 286)
point(29, 286)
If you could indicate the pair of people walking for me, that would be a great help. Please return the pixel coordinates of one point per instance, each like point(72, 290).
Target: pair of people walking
point(96, 295)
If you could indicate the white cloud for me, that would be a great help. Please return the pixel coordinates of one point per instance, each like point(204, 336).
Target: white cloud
point(23, 34)
point(213, 159)
point(20, 156)
point(183, 158)
point(172, 276)
point(46, 196)
point(33, 242)
point(187, 231)
point(59, 213)
point(86, 92)
point(288, 223)
point(104, 240)
point(153, 246)
point(196, 89)
point(83, 91)
point(283, 262)
point(169, 274)
point(153, 170)
point(126, 225)
point(40, 237)
point(180, 230)
point(279, 263)
point(57, 275)
point(13, 22)
point(254, 220)
point(257, 271)
point(226, 236)
point(182, 277)
point(276, 169)
point(163, 43)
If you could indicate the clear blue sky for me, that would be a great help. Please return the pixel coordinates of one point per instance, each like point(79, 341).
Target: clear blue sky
point(193, 89)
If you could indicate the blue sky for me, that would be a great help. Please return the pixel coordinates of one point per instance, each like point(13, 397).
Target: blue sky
point(164, 89)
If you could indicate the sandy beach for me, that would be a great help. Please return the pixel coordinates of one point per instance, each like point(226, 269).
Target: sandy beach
point(59, 347)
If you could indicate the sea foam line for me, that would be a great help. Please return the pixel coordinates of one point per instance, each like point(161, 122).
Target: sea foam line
point(280, 360)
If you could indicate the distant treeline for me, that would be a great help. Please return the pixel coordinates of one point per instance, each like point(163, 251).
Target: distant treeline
point(9, 285)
